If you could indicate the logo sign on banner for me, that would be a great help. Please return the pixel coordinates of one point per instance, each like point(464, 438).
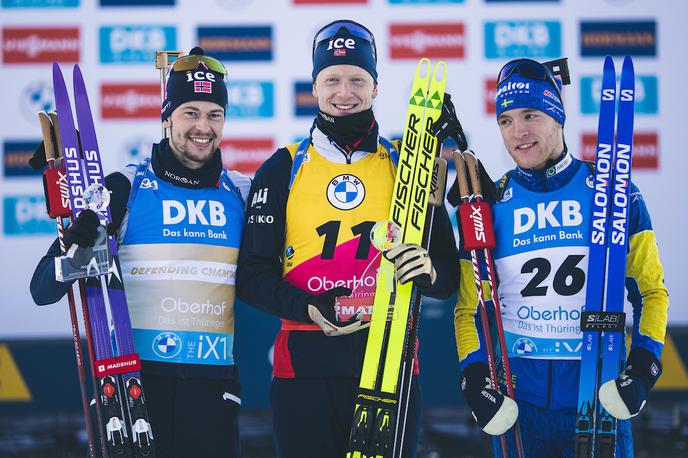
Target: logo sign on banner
point(16, 155)
point(328, 2)
point(23, 215)
point(645, 149)
point(245, 155)
point(39, 3)
point(637, 38)
point(305, 104)
point(490, 94)
point(250, 99)
point(135, 43)
point(237, 42)
point(36, 96)
point(130, 101)
point(522, 1)
point(513, 39)
point(137, 2)
point(441, 40)
point(418, 2)
point(40, 45)
point(646, 94)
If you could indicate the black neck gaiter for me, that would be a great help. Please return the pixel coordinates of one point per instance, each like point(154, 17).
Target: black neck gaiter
point(168, 168)
point(356, 132)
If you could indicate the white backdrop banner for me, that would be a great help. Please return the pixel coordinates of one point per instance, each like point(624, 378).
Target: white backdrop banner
point(266, 46)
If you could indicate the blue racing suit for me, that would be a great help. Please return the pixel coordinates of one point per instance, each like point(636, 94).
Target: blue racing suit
point(542, 227)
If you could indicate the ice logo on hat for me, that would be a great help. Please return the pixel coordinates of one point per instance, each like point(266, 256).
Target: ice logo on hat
point(167, 345)
point(339, 46)
point(345, 192)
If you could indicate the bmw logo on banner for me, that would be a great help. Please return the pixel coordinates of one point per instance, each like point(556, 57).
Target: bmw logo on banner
point(345, 192)
point(167, 345)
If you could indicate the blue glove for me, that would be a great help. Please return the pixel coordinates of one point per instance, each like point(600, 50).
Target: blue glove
point(625, 397)
point(494, 412)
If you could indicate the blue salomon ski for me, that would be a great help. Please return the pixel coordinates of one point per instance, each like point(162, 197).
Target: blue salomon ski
point(603, 320)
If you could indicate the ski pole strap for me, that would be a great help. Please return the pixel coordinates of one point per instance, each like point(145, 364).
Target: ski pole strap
point(603, 321)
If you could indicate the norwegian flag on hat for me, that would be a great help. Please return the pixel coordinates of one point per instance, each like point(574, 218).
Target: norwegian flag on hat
point(340, 52)
point(203, 86)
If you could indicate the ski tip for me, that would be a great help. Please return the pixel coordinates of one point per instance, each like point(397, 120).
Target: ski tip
point(628, 63)
point(440, 73)
point(608, 63)
point(423, 67)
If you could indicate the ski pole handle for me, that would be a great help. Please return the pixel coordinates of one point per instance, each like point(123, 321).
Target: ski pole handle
point(46, 133)
point(461, 178)
point(56, 128)
point(472, 166)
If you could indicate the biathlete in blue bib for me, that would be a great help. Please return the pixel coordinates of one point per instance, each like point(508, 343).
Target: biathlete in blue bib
point(179, 216)
point(541, 214)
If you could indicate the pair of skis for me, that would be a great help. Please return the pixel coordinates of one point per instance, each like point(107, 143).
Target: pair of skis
point(122, 414)
point(603, 320)
point(381, 404)
point(477, 233)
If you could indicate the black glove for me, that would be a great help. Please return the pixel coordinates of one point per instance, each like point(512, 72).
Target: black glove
point(625, 396)
point(38, 160)
point(83, 231)
point(489, 190)
point(412, 263)
point(320, 310)
point(494, 412)
point(448, 125)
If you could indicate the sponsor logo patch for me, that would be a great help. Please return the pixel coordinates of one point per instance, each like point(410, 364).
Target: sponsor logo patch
point(245, 155)
point(645, 149)
point(134, 43)
point(618, 38)
point(345, 192)
point(129, 101)
point(167, 345)
point(39, 3)
point(646, 94)
point(137, 2)
point(442, 40)
point(40, 45)
point(533, 39)
point(305, 104)
point(250, 99)
point(237, 43)
point(16, 155)
point(26, 215)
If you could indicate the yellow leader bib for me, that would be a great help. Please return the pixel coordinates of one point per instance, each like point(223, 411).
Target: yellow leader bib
point(330, 212)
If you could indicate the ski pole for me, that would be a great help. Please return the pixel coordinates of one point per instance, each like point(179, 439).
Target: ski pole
point(163, 59)
point(472, 165)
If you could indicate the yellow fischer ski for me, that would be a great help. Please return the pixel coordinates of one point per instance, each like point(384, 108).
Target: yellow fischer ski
point(374, 431)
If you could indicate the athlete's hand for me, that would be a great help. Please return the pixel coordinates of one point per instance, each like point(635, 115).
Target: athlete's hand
point(625, 397)
point(487, 186)
point(83, 231)
point(448, 125)
point(321, 312)
point(494, 412)
point(412, 263)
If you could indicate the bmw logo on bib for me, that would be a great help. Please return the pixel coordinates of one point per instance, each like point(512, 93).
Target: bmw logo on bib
point(167, 345)
point(524, 346)
point(345, 192)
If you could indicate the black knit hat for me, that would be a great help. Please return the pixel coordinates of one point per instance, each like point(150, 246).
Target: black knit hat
point(201, 83)
point(344, 42)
